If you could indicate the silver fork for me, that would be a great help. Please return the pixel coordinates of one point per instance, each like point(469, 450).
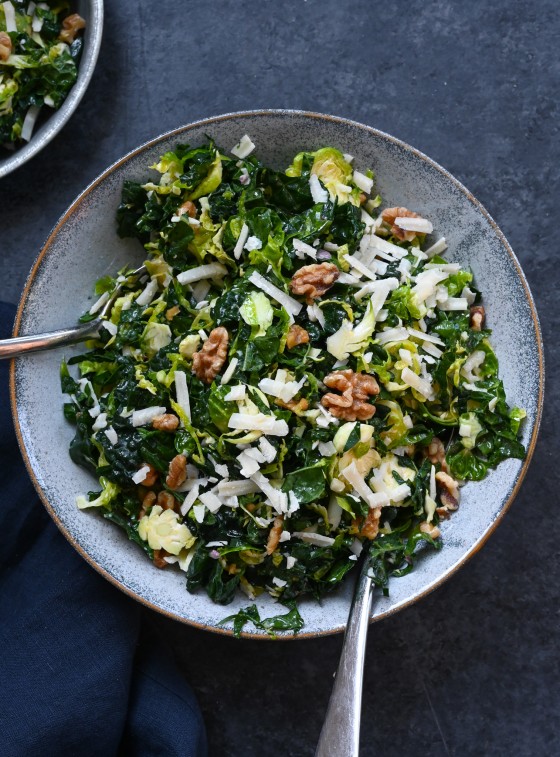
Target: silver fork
point(20, 345)
point(340, 735)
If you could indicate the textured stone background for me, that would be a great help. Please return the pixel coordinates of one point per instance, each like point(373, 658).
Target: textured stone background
point(474, 668)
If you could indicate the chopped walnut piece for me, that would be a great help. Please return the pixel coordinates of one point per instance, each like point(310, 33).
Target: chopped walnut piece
point(5, 46)
point(208, 361)
point(177, 472)
point(435, 453)
point(448, 490)
point(314, 280)
point(296, 336)
point(166, 500)
point(355, 390)
point(70, 27)
point(274, 535)
point(166, 422)
point(478, 315)
point(159, 554)
point(187, 207)
point(390, 214)
point(430, 529)
point(296, 406)
point(368, 528)
point(148, 501)
point(172, 312)
point(151, 476)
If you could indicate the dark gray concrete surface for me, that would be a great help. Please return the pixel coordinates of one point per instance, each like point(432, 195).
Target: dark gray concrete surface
point(474, 668)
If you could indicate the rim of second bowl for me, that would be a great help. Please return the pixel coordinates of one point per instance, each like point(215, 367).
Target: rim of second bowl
point(377, 132)
point(55, 122)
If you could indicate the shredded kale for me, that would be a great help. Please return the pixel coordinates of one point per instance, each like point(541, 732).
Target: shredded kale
point(283, 509)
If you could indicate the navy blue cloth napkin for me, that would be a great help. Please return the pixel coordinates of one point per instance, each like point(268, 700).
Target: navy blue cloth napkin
point(82, 671)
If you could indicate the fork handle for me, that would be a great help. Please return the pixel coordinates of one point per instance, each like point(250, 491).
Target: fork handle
point(340, 735)
point(20, 345)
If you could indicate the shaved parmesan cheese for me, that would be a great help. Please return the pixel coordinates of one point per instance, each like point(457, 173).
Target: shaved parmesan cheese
point(182, 391)
point(431, 349)
point(111, 435)
point(208, 271)
point(190, 499)
point(492, 404)
point(111, 327)
point(318, 194)
point(279, 582)
point(30, 117)
point(278, 499)
point(407, 420)
point(426, 337)
point(422, 386)
point(382, 245)
point(367, 219)
point(360, 267)
point(290, 562)
point(212, 502)
point(318, 540)
point(285, 536)
point(242, 238)
point(243, 148)
point(449, 267)
point(294, 503)
point(146, 415)
point(314, 313)
point(267, 449)
point(284, 390)
point(100, 422)
point(471, 364)
point(267, 424)
point(145, 297)
point(327, 449)
point(362, 181)
point(99, 303)
point(454, 303)
point(426, 283)
point(302, 249)
point(200, 290)
point(352, 475)
point(230, 370)
point(421, 225)
point(10, 15)
point(236, 393)
point(248, 464)
point(198, 511)
point(330, 246)
point(141, 474)
point(236, 488)
point(253, 243)
point(437, 248)
point(397, 334)
point(288, 303)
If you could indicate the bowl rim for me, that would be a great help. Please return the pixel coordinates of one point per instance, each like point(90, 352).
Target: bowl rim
point(74, 206)
point(58, 119)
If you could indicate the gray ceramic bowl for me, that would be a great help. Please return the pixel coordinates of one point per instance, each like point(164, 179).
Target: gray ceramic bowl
point(92, 12)
point(83, 246)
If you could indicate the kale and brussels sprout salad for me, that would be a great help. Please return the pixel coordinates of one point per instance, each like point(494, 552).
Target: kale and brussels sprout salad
point(40, 46)
point(297, 372)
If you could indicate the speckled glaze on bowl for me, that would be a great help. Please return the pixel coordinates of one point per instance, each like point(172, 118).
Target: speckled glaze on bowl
point(92, 12)
point(83, 246)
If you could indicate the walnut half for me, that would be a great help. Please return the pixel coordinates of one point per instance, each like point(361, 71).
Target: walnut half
point(208, 361)
point(5, 46)
point(296, 336)
point(314, 280)
point(70, 27)
point(353, 401)
point(177, 473)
